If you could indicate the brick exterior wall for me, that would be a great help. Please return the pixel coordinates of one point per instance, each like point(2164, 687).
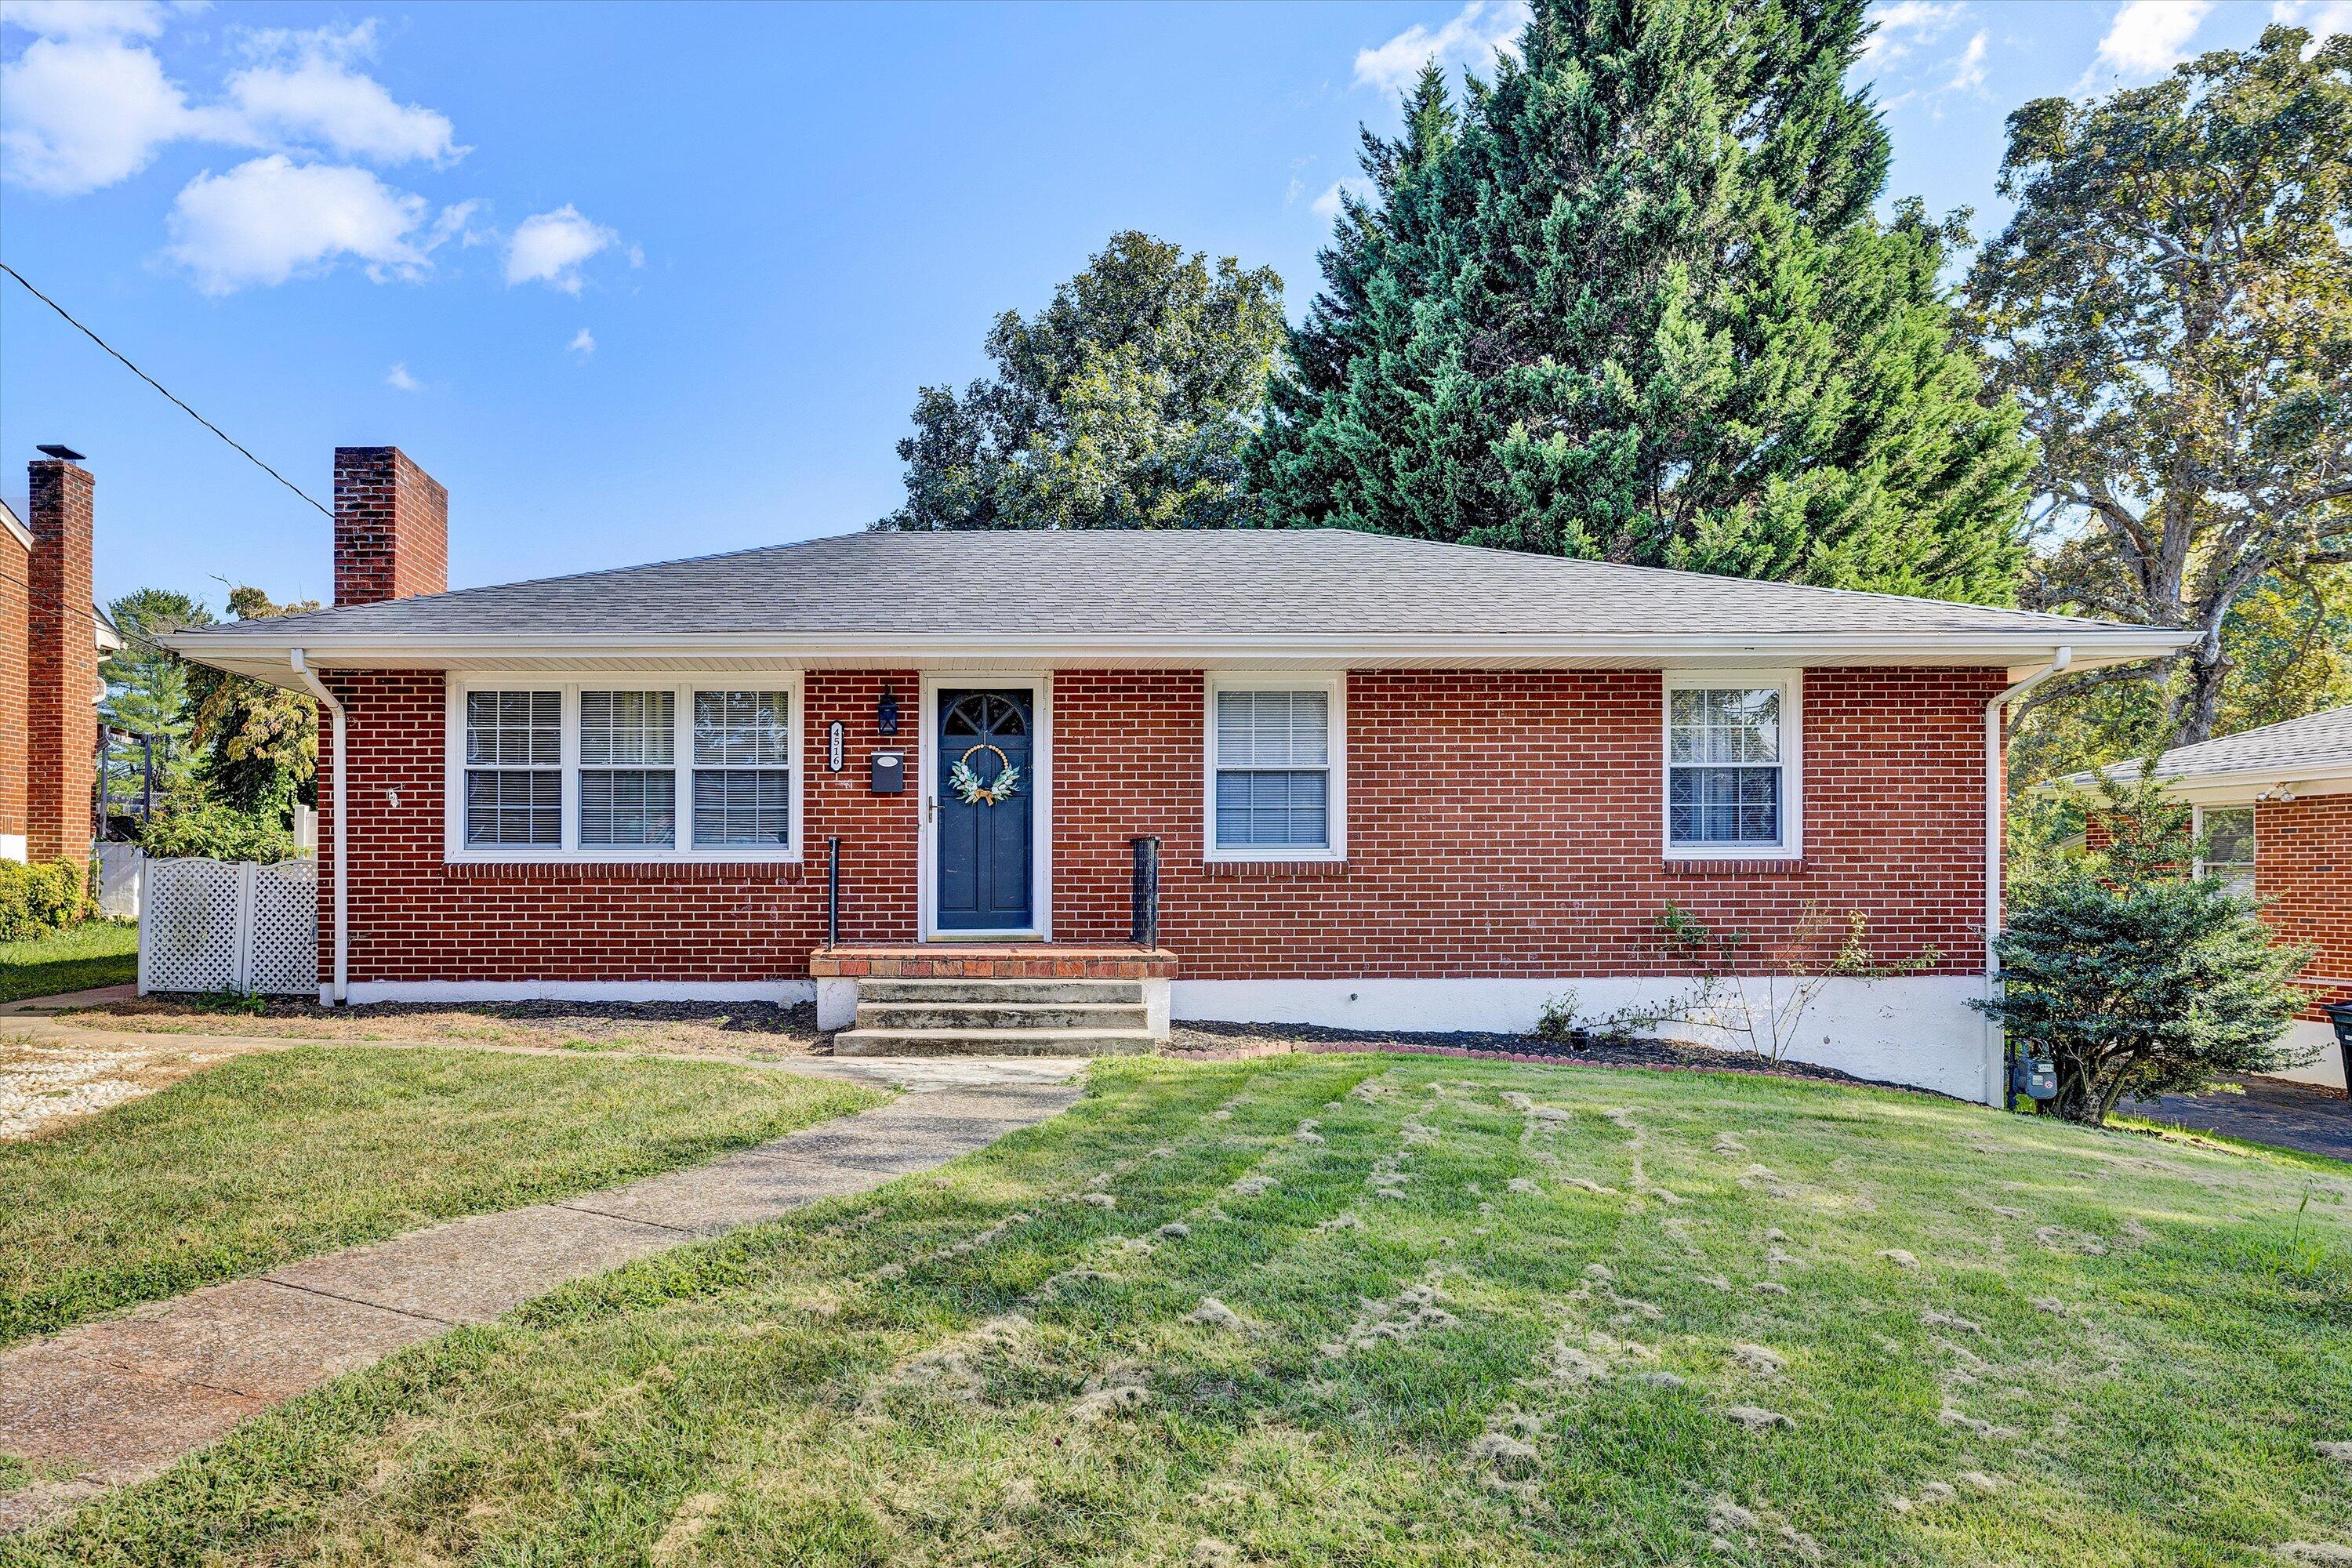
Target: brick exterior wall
point(2303, 863)
point(1499, 824)
point(15, 669)
point(61, 661)
point(392, 527)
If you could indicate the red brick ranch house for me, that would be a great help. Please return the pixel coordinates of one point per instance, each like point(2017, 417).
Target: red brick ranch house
point(1391, 784)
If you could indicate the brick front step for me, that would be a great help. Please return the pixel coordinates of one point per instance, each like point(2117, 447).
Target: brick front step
point(1003, 960)
point(865, 1042)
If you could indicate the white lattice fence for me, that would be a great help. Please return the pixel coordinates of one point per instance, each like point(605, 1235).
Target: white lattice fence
point(220, 925)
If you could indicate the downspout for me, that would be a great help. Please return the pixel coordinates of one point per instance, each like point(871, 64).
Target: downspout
point(1996, 792)
point(342, 817)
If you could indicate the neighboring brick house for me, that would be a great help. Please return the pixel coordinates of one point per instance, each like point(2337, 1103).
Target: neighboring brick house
point(2277, 803)
point(51, 640)
point(1393, 784)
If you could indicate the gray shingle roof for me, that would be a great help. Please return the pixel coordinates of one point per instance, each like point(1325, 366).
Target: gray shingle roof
point(1242, 584)
point(2320, 745)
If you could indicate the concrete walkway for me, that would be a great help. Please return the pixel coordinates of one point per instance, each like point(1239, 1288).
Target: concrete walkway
point(121, 1399)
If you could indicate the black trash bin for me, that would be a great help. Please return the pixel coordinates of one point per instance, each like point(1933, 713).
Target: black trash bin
point(2340, 1014)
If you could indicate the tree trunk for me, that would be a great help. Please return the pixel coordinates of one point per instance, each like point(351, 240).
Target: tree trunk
point(2198, 706)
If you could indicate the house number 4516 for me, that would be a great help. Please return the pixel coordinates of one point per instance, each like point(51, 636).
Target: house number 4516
point(834, 749)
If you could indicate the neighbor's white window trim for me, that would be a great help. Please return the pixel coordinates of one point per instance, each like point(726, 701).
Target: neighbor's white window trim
point(1335, 806)
point(456, 851)
point(2197, 830)
point(1790, 684)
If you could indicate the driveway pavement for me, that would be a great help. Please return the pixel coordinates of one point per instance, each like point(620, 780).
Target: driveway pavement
point(122, 1398)
point(2268, 1110)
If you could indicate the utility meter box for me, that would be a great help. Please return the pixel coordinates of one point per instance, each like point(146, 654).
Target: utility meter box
point(2040, 1076)
point(889, 772)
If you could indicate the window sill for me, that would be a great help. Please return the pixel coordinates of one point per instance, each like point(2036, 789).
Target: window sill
point(1734, 865)
point(670, 871)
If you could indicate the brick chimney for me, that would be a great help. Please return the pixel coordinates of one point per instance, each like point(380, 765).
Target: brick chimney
point(16, 573)
point(61, 660)
point(392, 527)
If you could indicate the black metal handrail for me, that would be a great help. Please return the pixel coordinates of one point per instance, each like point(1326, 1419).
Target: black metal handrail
point(1144, 916)
point(833, 893)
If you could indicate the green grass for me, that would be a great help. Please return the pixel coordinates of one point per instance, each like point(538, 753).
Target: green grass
point(271, 1157)
point(2151, 1343)
point(95, 952)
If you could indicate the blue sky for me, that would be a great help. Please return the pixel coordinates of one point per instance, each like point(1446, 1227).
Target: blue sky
point(637, 282)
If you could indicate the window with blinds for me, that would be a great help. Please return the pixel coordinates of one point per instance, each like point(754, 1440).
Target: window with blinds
point(628, 769)
point(742, 768)
point(1273, 783)
point(514, 768)
point(1726, 784)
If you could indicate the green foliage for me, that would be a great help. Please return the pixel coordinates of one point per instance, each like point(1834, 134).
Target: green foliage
point(36, 899)
point(2135, 976)
point(208, 830)
point(260, 742)
point(1124, 403)
point(2172, 307)
point(147, 689)
point(1630, 302)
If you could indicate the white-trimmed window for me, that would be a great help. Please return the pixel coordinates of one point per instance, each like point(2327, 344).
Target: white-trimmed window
point(598, 769)
point(1276, 774)
point(743, 769)
point(1732, 775)
point(628, 769)
point(2227, 833)
point(514, 769)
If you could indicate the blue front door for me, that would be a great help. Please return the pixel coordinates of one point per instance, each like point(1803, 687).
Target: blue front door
point(987, 789)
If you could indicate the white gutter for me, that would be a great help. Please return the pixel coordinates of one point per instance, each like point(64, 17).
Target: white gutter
point(310, 682)
point(1996, 794)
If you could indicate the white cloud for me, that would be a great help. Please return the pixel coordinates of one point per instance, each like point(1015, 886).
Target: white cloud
point(1471, 38)
point(2147, 38)
point(86, 106)
point(398, 376)
point(79, 112)
point(270, 219)
point(1903, 25)
point(85, 19)
point(2321, 18)
point(303, 91)
point(1968, 69)
point(583, 341)
point(548, 248)
point(1329, 204)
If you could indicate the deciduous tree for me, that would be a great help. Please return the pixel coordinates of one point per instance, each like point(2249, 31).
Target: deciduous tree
point(2171, 306)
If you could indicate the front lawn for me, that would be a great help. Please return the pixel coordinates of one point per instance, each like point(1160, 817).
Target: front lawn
point(272, 1157)
point(1347, 1310)
point(95, 952)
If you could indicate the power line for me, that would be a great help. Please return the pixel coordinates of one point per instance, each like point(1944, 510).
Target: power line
point(159, 386)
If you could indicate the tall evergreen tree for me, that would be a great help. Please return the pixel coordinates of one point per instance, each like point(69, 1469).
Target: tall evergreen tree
point(1631, 301)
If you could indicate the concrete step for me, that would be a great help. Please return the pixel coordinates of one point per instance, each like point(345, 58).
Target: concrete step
point(993, 991)
point(1056, 1015)
point(864, 1042)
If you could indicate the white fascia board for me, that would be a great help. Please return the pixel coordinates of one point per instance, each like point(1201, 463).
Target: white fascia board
point(2094, 645)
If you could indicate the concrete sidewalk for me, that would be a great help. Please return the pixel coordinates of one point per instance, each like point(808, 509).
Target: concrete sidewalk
point(122, 1398)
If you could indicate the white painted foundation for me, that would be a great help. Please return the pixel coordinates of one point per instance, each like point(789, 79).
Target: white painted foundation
point(2326, 1068)
point(786, 992)
point(836, 1004)
point(1915, 1030)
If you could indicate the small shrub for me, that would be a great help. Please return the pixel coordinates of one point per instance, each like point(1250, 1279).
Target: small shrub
point(1560, 1022)
point(38, 900)
point(212, 832)
point(2134, 976)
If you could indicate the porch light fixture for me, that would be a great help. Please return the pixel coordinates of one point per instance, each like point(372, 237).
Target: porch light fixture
point(886, 712)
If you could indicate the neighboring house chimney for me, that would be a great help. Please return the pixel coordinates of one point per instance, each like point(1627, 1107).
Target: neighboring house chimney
point(61, 661)
point(15, 588)
point(392, 527)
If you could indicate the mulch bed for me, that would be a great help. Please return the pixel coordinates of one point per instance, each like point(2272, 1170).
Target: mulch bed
point(1225, 1042)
